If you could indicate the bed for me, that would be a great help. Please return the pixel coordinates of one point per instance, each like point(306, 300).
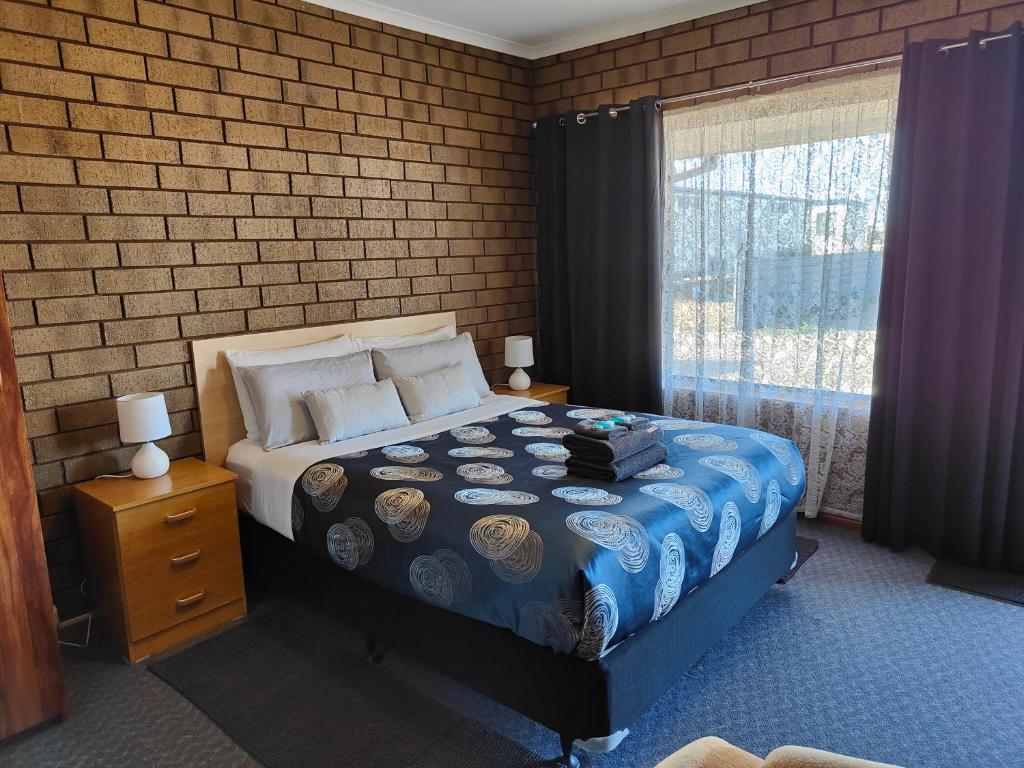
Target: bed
point(463, 542)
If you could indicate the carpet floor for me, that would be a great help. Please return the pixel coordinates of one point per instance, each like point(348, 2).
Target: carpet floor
point(856, 654)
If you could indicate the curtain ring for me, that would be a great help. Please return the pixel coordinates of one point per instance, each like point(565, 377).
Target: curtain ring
point(983, 43)
point(613, 113)
point(581, 118)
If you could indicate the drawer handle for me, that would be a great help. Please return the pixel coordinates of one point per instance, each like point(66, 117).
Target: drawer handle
point(189, 558)
point(185, 602)
point(181, 516)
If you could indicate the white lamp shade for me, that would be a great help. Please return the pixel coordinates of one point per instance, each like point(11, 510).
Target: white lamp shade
point(518, 351)
point(142, 417)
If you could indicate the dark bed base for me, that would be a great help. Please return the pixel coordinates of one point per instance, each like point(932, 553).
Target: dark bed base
point(575, 698)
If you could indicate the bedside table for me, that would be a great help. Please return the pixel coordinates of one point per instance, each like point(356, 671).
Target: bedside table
point(552, 393)
point(162, 556)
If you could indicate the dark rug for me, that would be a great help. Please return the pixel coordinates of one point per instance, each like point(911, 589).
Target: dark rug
point(291, 693)
point(998, 585)
point(805, 547)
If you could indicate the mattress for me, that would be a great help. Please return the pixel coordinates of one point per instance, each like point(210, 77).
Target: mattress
point(475, 513)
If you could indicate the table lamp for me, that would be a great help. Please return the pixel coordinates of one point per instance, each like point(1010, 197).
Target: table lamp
point(142, 418)
point(519, 355)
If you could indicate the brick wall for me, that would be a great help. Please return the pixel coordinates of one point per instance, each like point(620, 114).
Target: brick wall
point(767, 39)
point(199, 167)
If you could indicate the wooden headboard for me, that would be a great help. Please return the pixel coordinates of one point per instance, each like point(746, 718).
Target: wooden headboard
point(220, 417)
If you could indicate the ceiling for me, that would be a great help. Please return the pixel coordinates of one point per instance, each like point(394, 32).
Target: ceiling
point(532, 28)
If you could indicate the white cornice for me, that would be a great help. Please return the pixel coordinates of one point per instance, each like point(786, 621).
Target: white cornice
point(586, 35)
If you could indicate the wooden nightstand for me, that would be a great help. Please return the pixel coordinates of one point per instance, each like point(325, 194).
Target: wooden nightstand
point(552, 393)
point(162, 556)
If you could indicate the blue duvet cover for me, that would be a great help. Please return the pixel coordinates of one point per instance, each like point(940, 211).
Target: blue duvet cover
point(483, 520)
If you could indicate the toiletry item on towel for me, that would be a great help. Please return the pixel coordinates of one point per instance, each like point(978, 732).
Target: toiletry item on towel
point(616, 447)
point(609, 429)
point(623, 469)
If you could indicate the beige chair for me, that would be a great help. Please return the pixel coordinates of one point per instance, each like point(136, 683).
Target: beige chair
point(712, 752)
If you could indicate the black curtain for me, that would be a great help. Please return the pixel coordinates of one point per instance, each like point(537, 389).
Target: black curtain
point(599, 193)
point(945, 463)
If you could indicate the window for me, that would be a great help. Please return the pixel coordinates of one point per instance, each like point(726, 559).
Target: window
point(775, 223)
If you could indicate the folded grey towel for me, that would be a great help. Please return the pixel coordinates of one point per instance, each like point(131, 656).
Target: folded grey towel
point(623, 469)
point(620, 446)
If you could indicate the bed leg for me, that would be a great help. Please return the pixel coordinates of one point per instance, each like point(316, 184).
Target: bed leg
point(568, 759)
point(374, 650)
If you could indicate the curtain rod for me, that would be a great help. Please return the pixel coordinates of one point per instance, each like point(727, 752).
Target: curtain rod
point(582, 117)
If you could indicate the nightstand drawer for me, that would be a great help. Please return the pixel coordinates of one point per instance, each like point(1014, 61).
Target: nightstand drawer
point(203, 586)
point(555, 397)
point(162, 528)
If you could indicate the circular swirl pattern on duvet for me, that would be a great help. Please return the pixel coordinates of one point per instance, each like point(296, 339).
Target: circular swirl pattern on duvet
point(660, 472)
point(621, 534)
point(530, 417)
point(325, 483)
point(489, 474)
point(490, 496)
point(781, 449)
point(672, 572)
point(671, 425)
point(498, 536)
point(523, 564)
point(541, 431)
point(405, 511)
point(592, 413)
point(576, 494)
point(705, 442)
point(405, 454)
point(550, 471)
point(417, 474)
point(350, 543)
point(363, 537)
point(728, 537)
point(772, 506)
point(556, 625)
point(548, 451)
point(472, 435)
point(442, 578)
point(740, 470)
point(298, 515)
point(689, 498)
point(481, 453)
point(600, 621)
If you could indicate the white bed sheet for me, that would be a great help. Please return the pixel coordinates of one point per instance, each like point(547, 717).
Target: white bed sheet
point(266, 478)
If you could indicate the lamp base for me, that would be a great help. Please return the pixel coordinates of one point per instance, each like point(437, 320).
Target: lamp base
point(150, 462)
point(519, 380)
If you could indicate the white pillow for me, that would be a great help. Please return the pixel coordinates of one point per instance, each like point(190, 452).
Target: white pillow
point(393, 342)
point(345, 412)
point(438, 393)
point(276, 392)
point(424, 358)
point(338, 347)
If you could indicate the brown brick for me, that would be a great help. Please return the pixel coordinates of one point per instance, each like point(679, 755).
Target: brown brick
point(93, 117)
point(157, 304)
point(200, 228)
point(43, 170)
point(53, 141)
point(212, 104)
point(29, 341)
point(109, 9)
point(134, 94)
point(205, 277)
point(41, 21)
point(102, 61)
point(155, 254)
point(778, 42)
point(31, 50)
point(14, 256)
point(182, 73)
point(203, 52)
point(129, 36)
point(220, 299)
point(134, 331)
point(250, 85)
point(64, 200)
point(15, 227)
point(268, 64)
point(52, 393)
point(210, 324)
point(45, 82)
point(184, 127)
point(916, 12)
point(137, 148)
point(108, 174)
point(205, 179)
point(90, 361)
point(126, 228)
point(265, 14)
point(861, 48)
point(805, 60)
point(78, 309)
point(149, 379)
point(174, 19)
point(217, 155)
point(230, 252)
point(25, 109)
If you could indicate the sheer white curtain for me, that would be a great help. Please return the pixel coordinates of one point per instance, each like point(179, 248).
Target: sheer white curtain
point(775, 221)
